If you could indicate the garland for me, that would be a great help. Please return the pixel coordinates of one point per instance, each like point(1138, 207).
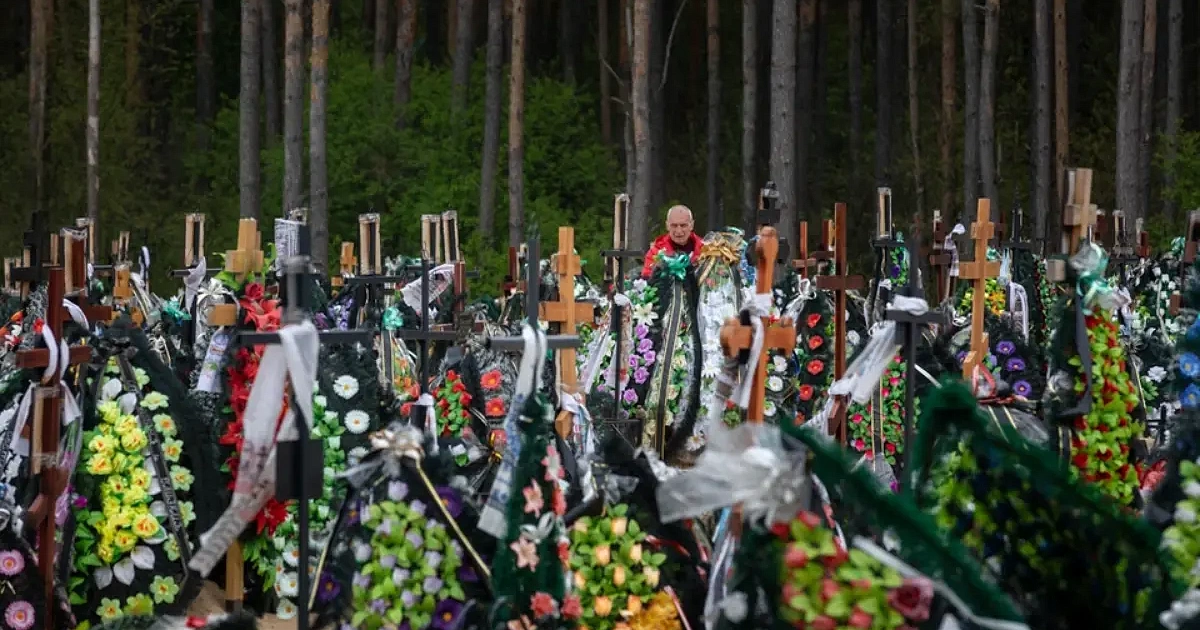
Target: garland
point(814, 347)
point(614, 572)
point(877, 426)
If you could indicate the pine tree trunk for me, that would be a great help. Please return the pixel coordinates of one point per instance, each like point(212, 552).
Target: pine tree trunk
point(883, 93)
point(854, 16)
point(749, 109)
point(1043, 45)
point(716, 211)
point(806, 57)
point(1174, 94)
point(93, 112)
point(1129, 108)
point(1062, 128)
point(970, 28)
point(516, 127)
point(659, 22)
point(464, 42)
point(406, 32)
point(820, 121)
point(380, 49)
point(914, 112)
point(640, 202)
point(270, 70)
point(1149, 45)
point(318, 165)
point(949, 93)
point(293, 109)
point(249, 143)
point(368, 16)
point(566, 32)
point(491, 119)
point(39, 42)
point(206, 87)
point(783, 107)
point(987, 104)
point(605, 76)
point(624, 52)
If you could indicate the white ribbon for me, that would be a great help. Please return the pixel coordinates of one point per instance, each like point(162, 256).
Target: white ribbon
point(864, 373)
point(411, 292)
point(622, 300)
point(91, 271)
point(192, 283)
point(426, 400)
point(1018, 305)
point(144, 260)
point(951, 246)
point(1005, 266)
point(76, 314)
point(541, 531)
point(759, 306)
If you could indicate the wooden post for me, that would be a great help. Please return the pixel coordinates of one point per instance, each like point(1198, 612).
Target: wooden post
point(1077, 217)
point(88, 227)
point(193, 239)
point(431, 238)
point(568, 314)
point(450, 242)
point(804, 262)
point(940, 260)
point(1143, 239)
point(1190, 247)
point(737, 336)
point(347, 262)
point(978, 271)
point(10, 283)
point(371, 263)
point(839, 282)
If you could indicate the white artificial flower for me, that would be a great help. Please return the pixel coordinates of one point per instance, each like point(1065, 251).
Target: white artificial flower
point(639, 285)
point(779, 363)
point(774, 383)
point(852, 338)
point(289, 585)
point(1156, 374)
point(320, 401)
point(768, 408)
point(111, 389)
point(1192, 489)
point(346, 386)
point(356, 454)
point(357, 422)
point(734, 606)
point(286, 609)
point(1185, 514)
point(644, 314)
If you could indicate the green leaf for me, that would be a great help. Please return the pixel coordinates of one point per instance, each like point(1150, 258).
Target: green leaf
point(457, 593)
point(657, 559)
point(634, 528)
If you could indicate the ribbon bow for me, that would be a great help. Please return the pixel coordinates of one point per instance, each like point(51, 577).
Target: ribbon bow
point(541, 531)
point(676, 266)
point(1090, 264)
point(720, 249)
point(392, 320)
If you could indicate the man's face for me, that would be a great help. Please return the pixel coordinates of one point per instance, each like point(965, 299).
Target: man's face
point(679, 226)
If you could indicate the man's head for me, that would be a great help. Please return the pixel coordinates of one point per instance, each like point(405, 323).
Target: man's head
point(679, 224)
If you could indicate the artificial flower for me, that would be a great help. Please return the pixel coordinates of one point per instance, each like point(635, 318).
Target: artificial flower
point(490, 380)
point(19, 615)
point(357, 422)
point(345, 386)
point(526, 553)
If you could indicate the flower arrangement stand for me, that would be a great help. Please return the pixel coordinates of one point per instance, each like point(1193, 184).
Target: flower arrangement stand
point(884, 242)
point(568, 314)
point(978, 271)
point(839, 282)
point(46, 426)
point(614, 280)
point(346, 263)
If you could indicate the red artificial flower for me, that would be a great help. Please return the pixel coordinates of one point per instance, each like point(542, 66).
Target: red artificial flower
point(780, 530)
point(813, 320)
point(805, 392)
point(815, 342)
point(490, 380)
point(829, 589)
point(816, 366)
point(869, 454)
point(559, 501)
point(571, 608)
point(253, 291)
point(37, 325)
point(889, 447)
point(809, 519)
point(564, 551)
point(1080, 460)
point(271, 516)
point(451, 375)
point(837, 559)
point(857, 418)
point(494, 407)
point(799, 419)
point(542, 605)
point(458, 387)
point(406, 409)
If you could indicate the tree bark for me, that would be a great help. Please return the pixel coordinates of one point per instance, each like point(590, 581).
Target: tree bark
point(491, 119)
point(658, 23)
point(318, 165)
point(783, 106)
point(206, 87)
point(1174, 83)
point(516, 127)
point(970, 28)
point(854, 17)
point(624, 52)
point(368, 16)
point(1062, 129)
point(380, 49)
point(249, 143)
point(987, 104)
point(749, 109)
point(93, 112)
point(883, 93)
point(464, 43)
point(270, 70)
point(293, 112)
point(914, 112)
point(806, 56)
point(641, 202)
point(38, 41)
point(1043, 45)
point(1129, 108)
point(566, 26)
point(406, 32)
point(1146, 119)
point(949, 94)
point(605, 77)
point(716, 210)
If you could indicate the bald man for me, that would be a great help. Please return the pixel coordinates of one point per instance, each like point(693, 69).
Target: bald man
point(679, 239)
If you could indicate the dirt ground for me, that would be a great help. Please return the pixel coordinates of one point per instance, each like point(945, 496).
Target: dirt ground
point(212, 601)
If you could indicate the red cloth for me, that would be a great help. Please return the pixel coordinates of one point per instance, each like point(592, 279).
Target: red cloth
point(664, 243)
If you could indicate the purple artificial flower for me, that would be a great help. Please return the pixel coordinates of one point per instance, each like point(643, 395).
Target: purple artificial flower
point(414, 538)
point(433, 559)
point(640, 375)
point(354, 513)
point(385, 527)
point(961, 356)
point(79, 502)
point(641, 330)
point(645, 345)
point(397, 490)
point(432, 584)
point(361, 580)
point(451, 499)
point(1022, 388)
point(380, 606)
point(634, 361)
point(388, 561)
point(418, 507)
point(629, 396)
point(408, 598)
point(1015, 364)
point(400, 576)
point(650, 357)
point(329, 588)
point(445, 614)
point(456, 548)
point(467, 574)
point(1006, 347)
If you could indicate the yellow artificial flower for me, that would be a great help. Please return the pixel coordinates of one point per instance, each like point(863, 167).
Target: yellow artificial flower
point(105, 552)
point(172, 449)
point(135, 496)
point(101, 445)
point(116, 484)
point(100, 464)
point(145, 525)
point(181, 478)
point(125, 425)
point(165, 425)
point(134, 441)
point(109, 411)
point(139, 605)
point(140, 479)
point(109, 609)
point(120, 463)
point(109, 505)
point(154, 400)
point(125, 540)
point(187, 512)
point(120, 518)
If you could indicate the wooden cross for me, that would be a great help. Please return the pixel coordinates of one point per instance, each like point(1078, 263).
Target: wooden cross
point(1143, 239)
point(75, 277)
point(769, 214)
point(449, 231)
point(193, 241)
point(737, 336)
point(34, 256)
point(11, 287)
point(1191, 246)
point(825, 254)
point(885, 229)
point(431, 237)
point(839, 281)
point(347, 261)
point(88, 228)
point(804, 262)
point(568, 314)
point(368, 243)
point(1015, 240)
point(241, 262)
point(1078, 216)
point(940, 259)
point(44, 441)
point(978, 271)
point(614, 271)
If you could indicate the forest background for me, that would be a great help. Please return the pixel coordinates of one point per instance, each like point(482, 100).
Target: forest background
point(675, 101)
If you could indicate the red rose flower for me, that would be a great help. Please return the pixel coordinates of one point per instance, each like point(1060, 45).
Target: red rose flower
point(889, 447)
point(806, 392)
point(494, 407)
point(816, 366)
point(815, 342)
point(813, 320)
point(823, 622)
point(253, 291)
point(490, 380)
point(571, 608)
point(542, 605)
point(912, 599)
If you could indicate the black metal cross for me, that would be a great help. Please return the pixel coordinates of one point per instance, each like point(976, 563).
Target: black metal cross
point(36, 243)
point(769, 214)
point(532, 297)
point(1015, 241)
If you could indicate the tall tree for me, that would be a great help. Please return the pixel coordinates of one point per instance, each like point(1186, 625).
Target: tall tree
point(464, 43)
point(318, 164)
point(249, 143)
point(970, 33)
point(406, 34)
point(39, 36)
point(93, 112)
point(604, 70)
point(491, 119)
point(1129, 108)
point(567, 43)
point(368, 16)
point(806, 61)
point(1043, 45)
point(640, 202)
point(516, 128)
point(914, 112)
point(987, 104)
point(1174, 83)
point(1146, 118)
point(749, 109)
point(949, 92)
point(883, 93)
point(854, 18)
point(206, 85)
point(783, 107)
point(270, 70)
point(293, 108)
point(624, 53)
point(1062, 129)
point(716, 211)
point(380, 48)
